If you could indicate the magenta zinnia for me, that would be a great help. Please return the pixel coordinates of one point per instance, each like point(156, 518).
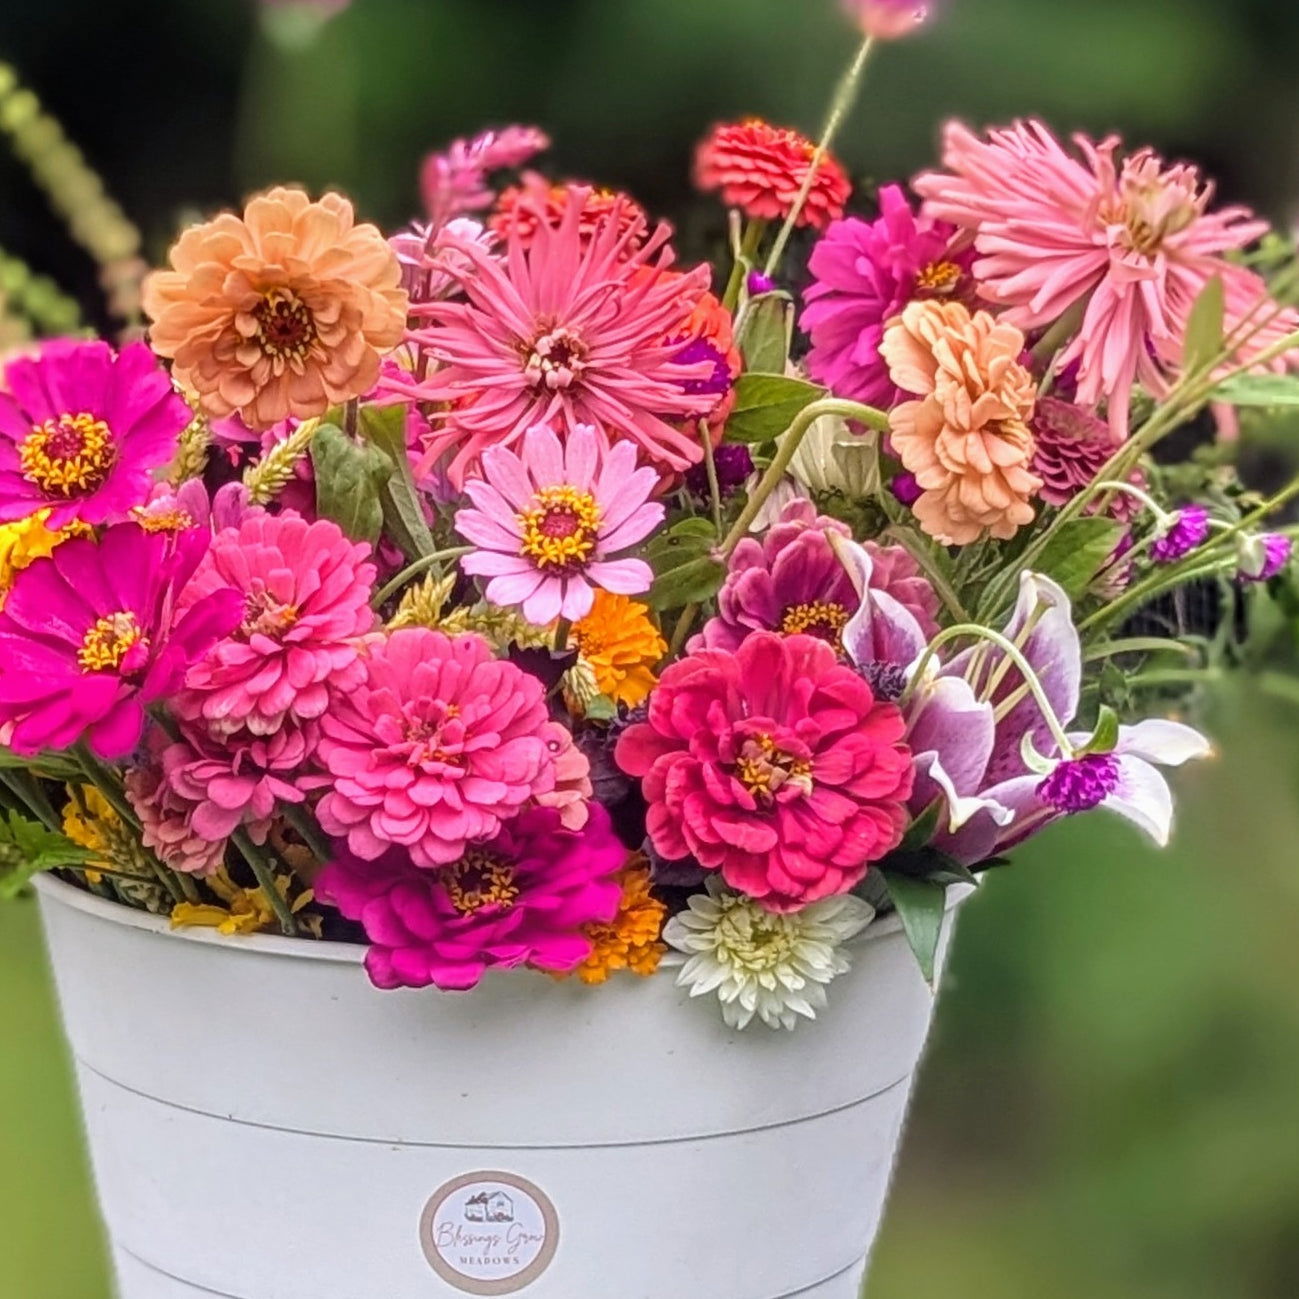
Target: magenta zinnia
point(1134, 242)
point(775, 765)
point(525, 897)
point(83, 429)
point(564, 329)
point(549, 520)
point(435, 749)
point(306, 600)
point(91, 635)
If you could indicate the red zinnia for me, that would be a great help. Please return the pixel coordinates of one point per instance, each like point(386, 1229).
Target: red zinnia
point(535, 202)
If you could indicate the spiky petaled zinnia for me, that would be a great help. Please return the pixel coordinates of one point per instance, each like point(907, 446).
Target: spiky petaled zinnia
point(622, 646)
point(566, 330)
point(967, 437)
point(633, 939)
point(760, 170)
point(82, 430)
point(1132, 244)
point(284, 311)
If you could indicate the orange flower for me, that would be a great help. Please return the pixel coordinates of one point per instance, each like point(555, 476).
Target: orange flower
point(535, 200)
point(282, 312)
point(633, 939)
point(967, 439)
point(622, 646)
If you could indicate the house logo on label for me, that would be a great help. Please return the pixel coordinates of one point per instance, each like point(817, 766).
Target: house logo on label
point(490, 1233)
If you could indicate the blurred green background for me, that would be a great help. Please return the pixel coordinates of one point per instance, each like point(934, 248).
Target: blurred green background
point(1109, 1110)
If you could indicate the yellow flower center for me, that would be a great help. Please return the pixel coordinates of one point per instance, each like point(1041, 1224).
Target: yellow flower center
point(106, 645)
point(69, 456)
point(173, 519)
point(264, 615)
point(555, 359)
point(763, 769)
point(821, 619)
point(480, 880)
point(939, 279)
point(561, 530)
point(285, 325)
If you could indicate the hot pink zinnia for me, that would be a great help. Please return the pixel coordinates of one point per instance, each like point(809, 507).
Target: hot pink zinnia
point(523, 898)
point(548, 520)
point(82, 430)
point(1133, 240)
point(564, 329)
point(864, 274)
point(437, 747)
point(775, 765)
point(306, 591)
point(92, 634)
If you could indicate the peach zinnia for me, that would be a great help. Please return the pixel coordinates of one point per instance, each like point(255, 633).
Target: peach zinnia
point(966, 439)
point(282, 312)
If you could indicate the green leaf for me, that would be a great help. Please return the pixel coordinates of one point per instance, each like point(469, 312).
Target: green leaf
point(1206, 327)
point(923, 828)
point(349, 478)
point(1105, 738)
point(921, 905)
point(28, 848)
point(766, 405)
point(686, 567)
point(601, 709)
point(403, 512)
point(1267, 390)
point(1078, 552)
point(768, 330)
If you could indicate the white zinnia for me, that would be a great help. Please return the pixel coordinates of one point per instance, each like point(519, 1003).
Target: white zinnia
point(761, 965)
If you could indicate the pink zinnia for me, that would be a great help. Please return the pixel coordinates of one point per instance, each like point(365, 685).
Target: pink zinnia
point(864, 274)
point(889, 20)
point(83, 429)
point(564, 329)
point(306, 590)
point(793, 582)
point(455, 181)
point(92, 634)
point(1134, 241)
point(776, 765)
point(435, 749)
point(1072, 447)
point(522, 898)
point(547, 522)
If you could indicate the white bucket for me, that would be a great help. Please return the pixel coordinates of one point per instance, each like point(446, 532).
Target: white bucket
point(266, 1125)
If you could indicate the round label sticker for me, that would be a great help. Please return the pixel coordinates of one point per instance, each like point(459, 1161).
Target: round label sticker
point(490, 1233)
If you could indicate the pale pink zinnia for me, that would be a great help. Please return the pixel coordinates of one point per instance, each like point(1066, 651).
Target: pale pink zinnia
point(548, 521)
point(1133, 241)
point(563, 328)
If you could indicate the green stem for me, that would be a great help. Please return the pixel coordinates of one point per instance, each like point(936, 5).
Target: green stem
point(308, 828)
point(1138, 645)
point(844, 100)
point(745, 258)
point(419, 566)
point(679, 633)
point(563, 630)
point(710, 466)
point(26, 789)
point(264, 873)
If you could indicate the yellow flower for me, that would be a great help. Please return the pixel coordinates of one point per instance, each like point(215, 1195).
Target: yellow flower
point(241, 910)
point(622, 646)
point(23, 542)
point(633, 940)
point(90, 821)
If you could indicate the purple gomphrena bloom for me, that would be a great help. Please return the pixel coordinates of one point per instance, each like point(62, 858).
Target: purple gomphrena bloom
point(733, 463)
point(760, 284)
point(1189, 531)
point(1081, 784)
point(700, 352)
point(1262, 558)
point(906, 490)
point(887, 680)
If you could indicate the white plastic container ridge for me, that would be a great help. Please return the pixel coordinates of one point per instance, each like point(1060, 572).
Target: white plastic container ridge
point(264, 1124)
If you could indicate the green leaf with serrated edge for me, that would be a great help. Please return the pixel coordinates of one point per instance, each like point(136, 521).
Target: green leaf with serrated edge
point(349, 476)
point(403, 512)
point(768, 331)
point(1105, 739)
point(1265, 390)
point(1206, 326)
point(1078, 552)
point(921, 906)
point(766, 405)
point(27, 849)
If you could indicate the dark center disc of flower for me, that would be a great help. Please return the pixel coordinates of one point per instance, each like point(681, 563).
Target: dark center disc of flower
point(285, 325)
point(888, 681)
point(68, 456)
point(764, 769)
point(1081, 784)
point(479, 880)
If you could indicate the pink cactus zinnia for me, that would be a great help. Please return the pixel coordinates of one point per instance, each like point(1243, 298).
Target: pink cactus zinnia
point(522, 898)
point(454, 182)
point(548, 522)
point(306, 591)
point(436, 748)
point(563, 329)
point(793, 582)
point(1135, 242)
point(91, 635)
point(82, 431)
point(776, 765)
point(864, 274)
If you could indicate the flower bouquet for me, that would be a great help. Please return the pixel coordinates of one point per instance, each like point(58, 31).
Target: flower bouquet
point(625, 661)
